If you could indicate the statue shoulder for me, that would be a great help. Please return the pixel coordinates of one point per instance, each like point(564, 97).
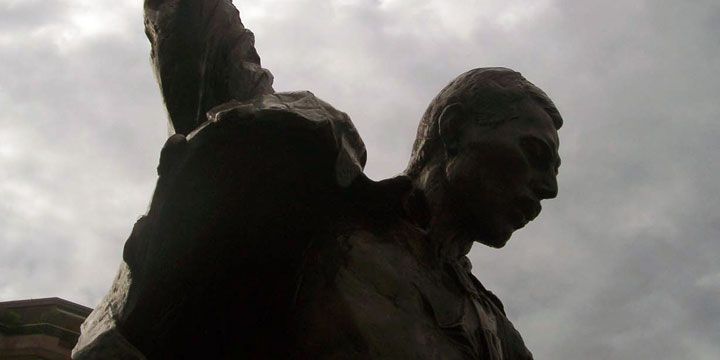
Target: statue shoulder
point(301, 118)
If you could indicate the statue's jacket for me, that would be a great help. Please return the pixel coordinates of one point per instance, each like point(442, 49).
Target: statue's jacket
point(264, 239)
point(376, 289)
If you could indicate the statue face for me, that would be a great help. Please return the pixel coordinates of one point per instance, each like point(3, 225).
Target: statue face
point(501, 173)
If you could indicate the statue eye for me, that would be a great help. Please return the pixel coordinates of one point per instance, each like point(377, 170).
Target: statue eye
point(538, 153)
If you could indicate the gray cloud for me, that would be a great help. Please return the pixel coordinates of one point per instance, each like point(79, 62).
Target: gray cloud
point(29, 15)
point(81, 125)
point(623, 265)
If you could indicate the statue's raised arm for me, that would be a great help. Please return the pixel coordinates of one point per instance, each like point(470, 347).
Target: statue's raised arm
point(203, 56)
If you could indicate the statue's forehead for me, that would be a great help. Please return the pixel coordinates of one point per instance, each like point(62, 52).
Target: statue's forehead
point(528, 118)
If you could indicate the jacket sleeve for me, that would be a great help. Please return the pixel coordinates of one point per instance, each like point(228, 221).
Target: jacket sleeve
point(203, 56)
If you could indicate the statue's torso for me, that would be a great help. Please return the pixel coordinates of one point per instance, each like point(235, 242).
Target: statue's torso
point(375, 292)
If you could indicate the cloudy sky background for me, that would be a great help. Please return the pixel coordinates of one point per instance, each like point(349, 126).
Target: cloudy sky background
point(624, 264)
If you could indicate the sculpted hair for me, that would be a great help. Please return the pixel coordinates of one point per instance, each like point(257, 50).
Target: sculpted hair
point(486, 94)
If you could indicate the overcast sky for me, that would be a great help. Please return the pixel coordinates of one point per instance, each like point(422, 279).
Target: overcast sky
point(624, 264)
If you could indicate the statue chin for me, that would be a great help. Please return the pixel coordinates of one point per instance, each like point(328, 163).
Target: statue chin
point(496, 235)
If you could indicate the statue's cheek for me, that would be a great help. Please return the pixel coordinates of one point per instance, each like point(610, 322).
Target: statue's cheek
point(498, 168)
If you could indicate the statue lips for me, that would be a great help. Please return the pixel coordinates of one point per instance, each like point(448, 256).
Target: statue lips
point(517, 219)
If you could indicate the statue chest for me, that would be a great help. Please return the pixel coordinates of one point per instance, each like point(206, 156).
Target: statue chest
point(386, 299)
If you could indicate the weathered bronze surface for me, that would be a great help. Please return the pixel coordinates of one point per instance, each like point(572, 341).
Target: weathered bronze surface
point(264, 238)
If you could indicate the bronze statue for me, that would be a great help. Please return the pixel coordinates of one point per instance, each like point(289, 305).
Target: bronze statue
point(264, 238)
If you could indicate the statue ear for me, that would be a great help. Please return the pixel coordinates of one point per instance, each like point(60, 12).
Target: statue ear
point(450, 126)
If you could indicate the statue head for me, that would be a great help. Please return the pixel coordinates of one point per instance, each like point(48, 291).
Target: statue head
point(486, 153)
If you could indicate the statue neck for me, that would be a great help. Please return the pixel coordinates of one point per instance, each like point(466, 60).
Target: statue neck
point(449, 239)
point(446, 235)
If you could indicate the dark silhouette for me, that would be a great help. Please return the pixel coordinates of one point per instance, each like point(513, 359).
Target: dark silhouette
point(264, 238)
